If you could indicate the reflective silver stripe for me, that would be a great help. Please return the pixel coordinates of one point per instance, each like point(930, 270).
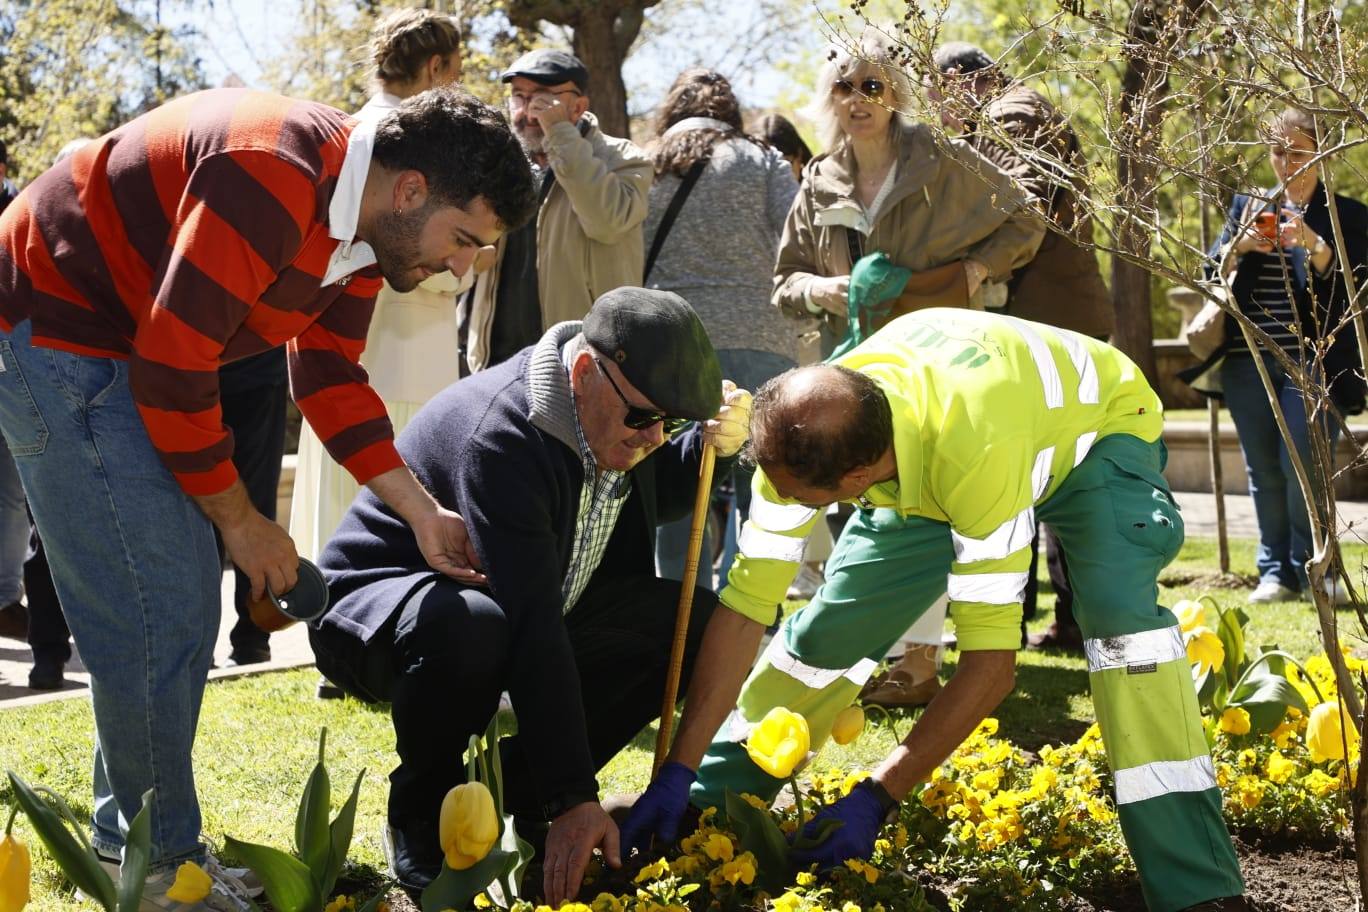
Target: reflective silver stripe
point(1083, 363)
point(1149, 647)
point(736, 728)
point(989, 588)
point(1040, 473)
point(1044, 362)
point(1013, 535)
point(779, 517)
point(811, 676)
point(1081, 448)
point(1164, 777)
point(755, 542)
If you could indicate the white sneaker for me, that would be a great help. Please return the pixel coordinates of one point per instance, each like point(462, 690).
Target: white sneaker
point(226, 893)
point(807, 582)
point(1337, 591)
point(1272, 591)
point(251, 884)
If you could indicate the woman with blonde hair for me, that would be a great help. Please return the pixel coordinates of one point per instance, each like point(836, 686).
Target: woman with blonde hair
point(411, 345)
point(889, 186)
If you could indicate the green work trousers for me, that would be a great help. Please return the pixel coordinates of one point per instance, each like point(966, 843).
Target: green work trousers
point(1118, 526)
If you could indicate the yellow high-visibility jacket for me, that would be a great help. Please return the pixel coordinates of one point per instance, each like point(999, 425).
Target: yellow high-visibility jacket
point(990, 414)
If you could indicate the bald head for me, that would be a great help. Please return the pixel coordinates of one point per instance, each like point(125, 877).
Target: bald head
point(819, 423)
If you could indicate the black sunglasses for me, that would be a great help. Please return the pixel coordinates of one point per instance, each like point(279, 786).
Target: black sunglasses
point(870, 88)
point(637, 418)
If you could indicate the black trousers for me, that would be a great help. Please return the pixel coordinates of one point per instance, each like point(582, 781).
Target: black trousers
point(256, 416)
point(48, 636)
point(1058, 568)
point(447, 660)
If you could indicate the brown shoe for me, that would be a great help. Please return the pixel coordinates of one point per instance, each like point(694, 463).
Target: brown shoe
point(897, 689)
point(1064, 639)
point(14, 621)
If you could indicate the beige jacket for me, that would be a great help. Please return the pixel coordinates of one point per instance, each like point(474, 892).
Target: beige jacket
point(947, 203)
point(588, 231)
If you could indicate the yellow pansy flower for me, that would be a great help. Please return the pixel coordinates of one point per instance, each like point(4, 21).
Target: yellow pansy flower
point(468, 826)
point(1319, 784)
point(606, 902)
point(788, 902)
point(740, 870)
point(718, 847)
point(779, 742)
point(192, 884)
point(1235, 721)
point(1279, 768)
point(653, 871)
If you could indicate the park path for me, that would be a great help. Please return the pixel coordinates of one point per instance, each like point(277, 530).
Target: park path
point(290, 648)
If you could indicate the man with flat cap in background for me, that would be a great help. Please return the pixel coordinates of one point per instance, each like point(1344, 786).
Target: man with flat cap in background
point(586, 238)
point(563, 460)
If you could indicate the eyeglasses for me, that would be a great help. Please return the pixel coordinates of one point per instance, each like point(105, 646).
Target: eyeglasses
point(518, 102)
point(637, 418)
point(871, 88)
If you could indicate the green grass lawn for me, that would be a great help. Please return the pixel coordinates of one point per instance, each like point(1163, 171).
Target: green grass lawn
point(258, 735)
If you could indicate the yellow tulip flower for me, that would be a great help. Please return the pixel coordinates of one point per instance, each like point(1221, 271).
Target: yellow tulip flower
point(192, 884)
point(468, 826)
point(1327, 730)
point(15, 869)
point(1235, 721)
point(1190, 614)
point(780, 742)
point(1205, 649)
point(848, 725)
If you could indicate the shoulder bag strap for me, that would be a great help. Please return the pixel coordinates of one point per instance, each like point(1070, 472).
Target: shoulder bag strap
point(686, 185)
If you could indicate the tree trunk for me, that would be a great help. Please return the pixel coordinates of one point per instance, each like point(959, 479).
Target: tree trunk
point(596, 44)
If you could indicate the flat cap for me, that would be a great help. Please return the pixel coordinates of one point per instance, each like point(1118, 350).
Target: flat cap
point(962, 57)
point(657, 341)
point(549, 67)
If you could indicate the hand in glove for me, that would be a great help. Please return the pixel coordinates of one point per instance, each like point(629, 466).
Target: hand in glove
point(862, 814)
point(730, 428)
point(659, 809)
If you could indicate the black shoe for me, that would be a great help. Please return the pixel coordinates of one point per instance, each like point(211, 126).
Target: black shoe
point(248, 656)
point(327, 690)
point(1222, 904)
point(14, 621)
point(414, 857)
point(46, 676)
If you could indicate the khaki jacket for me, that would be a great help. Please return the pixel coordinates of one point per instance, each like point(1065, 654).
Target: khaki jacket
point(948, 203)
point(588, 230)
point(1062, 285)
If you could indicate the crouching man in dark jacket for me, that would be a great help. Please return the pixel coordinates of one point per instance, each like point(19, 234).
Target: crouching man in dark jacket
point(563, 460)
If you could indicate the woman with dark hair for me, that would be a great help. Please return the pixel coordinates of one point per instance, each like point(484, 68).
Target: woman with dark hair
point(1288, 279)
point(718, 204)
point(779, 131)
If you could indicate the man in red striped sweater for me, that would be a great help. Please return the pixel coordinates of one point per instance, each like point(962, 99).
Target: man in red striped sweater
point(214, 227)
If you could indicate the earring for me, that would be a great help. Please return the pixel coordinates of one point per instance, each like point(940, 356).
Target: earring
point(398, 211)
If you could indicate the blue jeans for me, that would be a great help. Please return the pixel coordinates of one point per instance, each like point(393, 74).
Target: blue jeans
point(14, 530)
point(1284, 525)
point(137, 572)
point(748, 369)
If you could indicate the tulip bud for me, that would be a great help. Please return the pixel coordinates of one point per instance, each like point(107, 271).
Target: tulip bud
point(192, 884)
point(779, 742)
point(1326, 731)
point(1205, 649)
point(469, 826)
point(848, 726)
point(1190, 614)
point(15, 869)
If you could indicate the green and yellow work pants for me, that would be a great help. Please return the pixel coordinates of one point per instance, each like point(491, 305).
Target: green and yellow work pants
point(1119, 527)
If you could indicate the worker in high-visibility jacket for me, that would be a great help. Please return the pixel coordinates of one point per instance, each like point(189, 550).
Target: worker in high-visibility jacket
point(954, 431)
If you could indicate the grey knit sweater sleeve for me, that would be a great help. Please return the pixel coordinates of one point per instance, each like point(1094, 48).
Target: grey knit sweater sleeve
point(720, 253)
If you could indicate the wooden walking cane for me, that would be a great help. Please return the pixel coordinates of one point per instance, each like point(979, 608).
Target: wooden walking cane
point(686, 594)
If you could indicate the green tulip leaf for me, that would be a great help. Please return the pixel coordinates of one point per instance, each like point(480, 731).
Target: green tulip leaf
point(289, 884)
point(340, 838)
point(761, 836)
point(137, 856)
point(1266, 698)
point(495, 782)
point(458, 889)
point(312, 839)
point(374, 902)
point(520, 854)
point(77, 861)
point(1205, 683)
point(1231, 632)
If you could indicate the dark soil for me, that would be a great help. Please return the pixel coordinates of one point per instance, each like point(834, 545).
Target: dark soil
point(1208, 579)
point(1279, 877)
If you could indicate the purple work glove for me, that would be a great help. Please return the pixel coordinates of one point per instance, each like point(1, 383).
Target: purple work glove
point(863, 812)
point(659, 809)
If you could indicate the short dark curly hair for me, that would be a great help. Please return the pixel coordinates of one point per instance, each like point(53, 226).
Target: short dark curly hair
point(464, 148)
point(820, 423)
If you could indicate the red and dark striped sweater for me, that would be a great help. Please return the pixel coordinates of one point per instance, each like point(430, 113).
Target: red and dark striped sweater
point(195, 235)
